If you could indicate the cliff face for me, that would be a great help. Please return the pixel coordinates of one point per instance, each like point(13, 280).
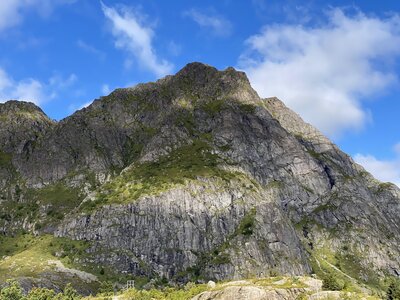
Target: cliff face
point(194, 176)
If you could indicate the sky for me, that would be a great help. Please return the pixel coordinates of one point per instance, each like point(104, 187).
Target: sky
point(336, 63)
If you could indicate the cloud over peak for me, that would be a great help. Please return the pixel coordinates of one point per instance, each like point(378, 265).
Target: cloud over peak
point(12, 11)
point(31, 89)
point(134, 36)
point(324, 73)
point(218, 25)
point(384, 170)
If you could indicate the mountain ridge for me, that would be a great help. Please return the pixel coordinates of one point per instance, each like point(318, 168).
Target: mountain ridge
point(195, 177)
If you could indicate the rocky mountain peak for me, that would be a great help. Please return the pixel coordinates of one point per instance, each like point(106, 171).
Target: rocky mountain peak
point(20, 123)
point(192, 178)
point(15, 106)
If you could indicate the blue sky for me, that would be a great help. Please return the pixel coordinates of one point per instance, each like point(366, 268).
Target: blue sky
point(336, 63)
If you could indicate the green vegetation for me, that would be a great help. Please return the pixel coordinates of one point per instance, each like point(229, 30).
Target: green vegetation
point(167, 294)
point(57, 198)
point(331, 282)
point(274, 184)
point(185, 119)
point(343, 270)
point(213, 107)
point(27, 255)
point(247, 108)
point(5, 159)
point(393, 291)
point(13, 291)
point(384, 186)
point(246, 226)
point(324, 207)
point(220, 255)
point(42, 207)
point(185, 163)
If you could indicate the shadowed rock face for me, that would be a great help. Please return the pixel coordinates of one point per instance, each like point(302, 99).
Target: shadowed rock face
point(195, 176)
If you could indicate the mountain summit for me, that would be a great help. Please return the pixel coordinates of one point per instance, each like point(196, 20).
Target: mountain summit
point(192, 177)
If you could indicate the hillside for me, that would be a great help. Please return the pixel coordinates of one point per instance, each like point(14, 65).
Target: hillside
point(187, 179)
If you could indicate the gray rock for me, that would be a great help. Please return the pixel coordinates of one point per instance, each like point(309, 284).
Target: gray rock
point(290, 190)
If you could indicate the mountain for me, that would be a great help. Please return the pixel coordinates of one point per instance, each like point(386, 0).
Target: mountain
point(190, 178)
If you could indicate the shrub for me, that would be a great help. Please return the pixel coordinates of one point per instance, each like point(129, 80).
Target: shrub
point(246, 226)
point(69, 294)
point(12, 291)
point(393, 291)
point(302, 296)
point(133, 294)
point(41, 294)
point(106, 288)
point(332, 283)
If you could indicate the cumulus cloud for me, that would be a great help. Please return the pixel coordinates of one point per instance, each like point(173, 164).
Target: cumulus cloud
point(324, 73)
point(384, 170)
point(30, 89)
point(134, 36)
point(12, 11)
point(217, 25)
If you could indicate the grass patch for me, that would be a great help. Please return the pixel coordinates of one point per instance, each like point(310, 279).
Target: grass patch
point(349, 263)
point(324, 207)
point(213, 107)
point(185, 163)
point(27, 255)
point(247, 108)
point(5, 160)
point(57, 198)
point(186, 119)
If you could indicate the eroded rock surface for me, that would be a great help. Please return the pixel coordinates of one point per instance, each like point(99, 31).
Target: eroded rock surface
point(194, 177)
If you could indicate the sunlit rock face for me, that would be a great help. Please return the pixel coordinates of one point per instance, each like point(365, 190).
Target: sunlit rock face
point(194, 177)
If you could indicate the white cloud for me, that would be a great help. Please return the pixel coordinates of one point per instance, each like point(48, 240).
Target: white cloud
point(30, 89)
point(325, 73)
point(85, 105)
point(134, 36)
point(217, 25)
point(396, 149)
point(59, 82)
point(384, 170)
point(12, 11)
point(105, 89)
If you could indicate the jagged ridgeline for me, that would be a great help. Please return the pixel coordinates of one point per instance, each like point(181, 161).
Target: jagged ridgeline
point(192, 177)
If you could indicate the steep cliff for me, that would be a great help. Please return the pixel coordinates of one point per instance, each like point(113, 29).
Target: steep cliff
point(194, 177)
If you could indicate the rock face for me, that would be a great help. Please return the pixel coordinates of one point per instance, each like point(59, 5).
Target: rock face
point(250, 292)
point(195, 177)
point(271, 289)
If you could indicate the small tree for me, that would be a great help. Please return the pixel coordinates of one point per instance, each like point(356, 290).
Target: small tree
point(332, 283)
point(41, 294)
point(106, 288)
point(70, 293)
point(12, 291)
point(393, 291)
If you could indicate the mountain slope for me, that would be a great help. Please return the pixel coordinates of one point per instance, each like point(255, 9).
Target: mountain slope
point(195, 177)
